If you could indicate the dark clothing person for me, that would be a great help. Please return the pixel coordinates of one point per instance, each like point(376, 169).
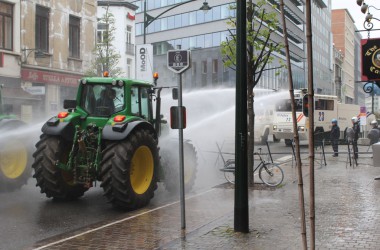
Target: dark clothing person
point(334, 136)
point(374, 133)
point(356, 128)
point(373, 136)
point(106, 101)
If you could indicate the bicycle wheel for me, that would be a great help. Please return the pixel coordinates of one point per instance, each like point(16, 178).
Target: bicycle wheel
point(271, 174)
point(229, 171)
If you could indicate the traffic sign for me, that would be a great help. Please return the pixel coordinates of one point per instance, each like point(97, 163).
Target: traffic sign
point(178, 60)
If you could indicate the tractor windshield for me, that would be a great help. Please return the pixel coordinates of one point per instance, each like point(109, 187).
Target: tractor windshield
point(102, 100)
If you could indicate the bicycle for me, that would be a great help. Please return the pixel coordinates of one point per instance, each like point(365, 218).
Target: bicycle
point(269, 173)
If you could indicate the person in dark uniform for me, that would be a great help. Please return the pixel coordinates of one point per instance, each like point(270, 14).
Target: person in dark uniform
point(106, 100)
point(374, 133)
point(356, 129)
point(334, 136)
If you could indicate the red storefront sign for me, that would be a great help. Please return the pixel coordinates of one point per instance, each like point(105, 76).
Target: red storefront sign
point(39, 76)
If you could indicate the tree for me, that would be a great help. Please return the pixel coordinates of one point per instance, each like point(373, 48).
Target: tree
point(261, 24)
point(106, 55)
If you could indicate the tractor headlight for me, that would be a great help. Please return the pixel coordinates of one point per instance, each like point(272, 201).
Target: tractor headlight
point(274, 127)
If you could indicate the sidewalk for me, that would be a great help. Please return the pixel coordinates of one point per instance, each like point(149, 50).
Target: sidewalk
point(347, 216)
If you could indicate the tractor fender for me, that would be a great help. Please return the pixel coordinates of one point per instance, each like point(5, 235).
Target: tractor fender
point(64, 129)
point(110, 133)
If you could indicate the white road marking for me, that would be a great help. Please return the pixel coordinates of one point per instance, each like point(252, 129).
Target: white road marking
point(116, 222)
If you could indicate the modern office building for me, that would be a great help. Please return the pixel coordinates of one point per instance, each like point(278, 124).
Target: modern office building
point(202, 33)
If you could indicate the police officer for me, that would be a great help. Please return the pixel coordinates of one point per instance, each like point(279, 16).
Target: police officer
point(374, 133)
point(356, 129)
point(334, 136)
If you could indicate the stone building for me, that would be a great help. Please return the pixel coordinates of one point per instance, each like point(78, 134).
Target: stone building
point(49, 48)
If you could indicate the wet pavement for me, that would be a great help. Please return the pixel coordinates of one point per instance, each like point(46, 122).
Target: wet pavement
point(347, 215)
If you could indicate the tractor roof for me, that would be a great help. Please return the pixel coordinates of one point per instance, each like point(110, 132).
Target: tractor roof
point(109, 80)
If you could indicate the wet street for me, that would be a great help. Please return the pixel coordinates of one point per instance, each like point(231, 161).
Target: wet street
point(28, 217)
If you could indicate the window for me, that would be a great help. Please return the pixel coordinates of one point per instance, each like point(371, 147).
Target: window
point(102, 33)
point(42, 28)
point(6, 27)
point(204, 67)
point(215, 66)
point(140, 102)
point(74, 37)
point(129, 67)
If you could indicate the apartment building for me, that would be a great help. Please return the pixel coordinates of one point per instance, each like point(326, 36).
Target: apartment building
point(124, 16)
point(46, 47)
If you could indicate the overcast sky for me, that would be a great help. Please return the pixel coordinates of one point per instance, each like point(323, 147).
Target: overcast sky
point(358, 16)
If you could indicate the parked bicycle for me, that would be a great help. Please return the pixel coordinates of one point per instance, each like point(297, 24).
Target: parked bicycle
point(269, 173)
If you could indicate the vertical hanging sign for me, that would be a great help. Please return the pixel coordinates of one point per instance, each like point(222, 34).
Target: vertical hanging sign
point(144, 62)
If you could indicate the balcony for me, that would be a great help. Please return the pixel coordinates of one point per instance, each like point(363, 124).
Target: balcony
point(130, 49)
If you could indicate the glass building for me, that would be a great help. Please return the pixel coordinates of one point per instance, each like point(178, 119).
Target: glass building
point(202, 33)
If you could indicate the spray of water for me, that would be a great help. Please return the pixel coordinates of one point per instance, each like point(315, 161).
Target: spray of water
point(210, 116)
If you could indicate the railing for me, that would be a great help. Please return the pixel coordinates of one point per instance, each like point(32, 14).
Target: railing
point(130, 49)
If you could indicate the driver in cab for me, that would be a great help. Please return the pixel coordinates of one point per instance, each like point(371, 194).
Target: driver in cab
point(106, 100)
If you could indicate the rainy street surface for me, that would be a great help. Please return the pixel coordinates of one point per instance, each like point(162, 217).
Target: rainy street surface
point(347, 217)
point(27, 216)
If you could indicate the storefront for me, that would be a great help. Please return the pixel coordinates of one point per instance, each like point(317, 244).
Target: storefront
point(51, 87)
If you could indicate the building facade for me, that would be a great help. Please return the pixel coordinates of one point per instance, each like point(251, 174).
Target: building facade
point(202, 33)
point(47, 47)
point(124, 17)
point(343, 30)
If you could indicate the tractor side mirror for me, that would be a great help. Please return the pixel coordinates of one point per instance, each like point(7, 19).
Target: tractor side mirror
point(175, 94)
point(7, 108)
point(69, 104)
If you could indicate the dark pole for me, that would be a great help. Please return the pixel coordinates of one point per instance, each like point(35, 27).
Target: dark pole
point(241, 220)
point(145, 24)
point(311, 119)
point(373, 93)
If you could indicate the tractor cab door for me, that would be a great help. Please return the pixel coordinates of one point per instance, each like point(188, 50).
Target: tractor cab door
point(140, 102)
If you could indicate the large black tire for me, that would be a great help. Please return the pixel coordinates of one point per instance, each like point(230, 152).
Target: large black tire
point(170, 166)
point(15, 158)
point(129, 170)
point(53, 181)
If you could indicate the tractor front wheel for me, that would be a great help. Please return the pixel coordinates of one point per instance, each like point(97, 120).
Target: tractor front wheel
point(129, 169)
point(53, 181)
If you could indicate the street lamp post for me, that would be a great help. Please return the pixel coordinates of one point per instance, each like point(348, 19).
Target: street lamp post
point(365, 8)
point(148, 19)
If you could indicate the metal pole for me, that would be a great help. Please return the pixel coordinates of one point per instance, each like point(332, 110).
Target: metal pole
point(373, 97)
point(241, 219)
point(181, 160)
point(144, 21)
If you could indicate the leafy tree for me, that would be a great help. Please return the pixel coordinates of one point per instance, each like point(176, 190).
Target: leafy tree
point(261, 24)
point(106, 55)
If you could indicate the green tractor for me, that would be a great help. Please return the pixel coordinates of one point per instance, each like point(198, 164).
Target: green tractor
point(109, 134)
point(14, 154)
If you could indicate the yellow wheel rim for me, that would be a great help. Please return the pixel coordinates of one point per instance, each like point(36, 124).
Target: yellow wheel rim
point(13, 159)
point(142, 169)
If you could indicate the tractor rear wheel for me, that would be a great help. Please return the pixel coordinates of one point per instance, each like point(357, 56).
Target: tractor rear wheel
point(170, 165)
point(53, 181)
point(14, 158)
point(129, 170)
